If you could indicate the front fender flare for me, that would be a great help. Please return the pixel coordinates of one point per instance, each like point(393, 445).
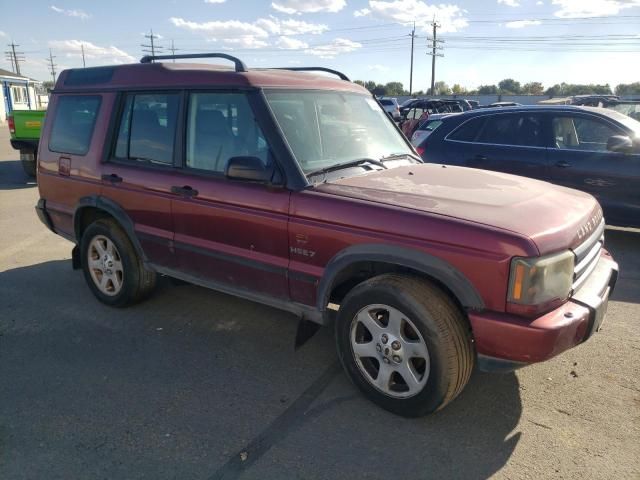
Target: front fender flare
point(422, 262)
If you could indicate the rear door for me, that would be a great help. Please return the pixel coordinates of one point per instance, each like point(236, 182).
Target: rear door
point(579, 159)
point(512, 143)
point(139, 174)
point(228, 232)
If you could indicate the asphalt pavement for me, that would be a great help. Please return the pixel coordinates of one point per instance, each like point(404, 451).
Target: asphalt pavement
point(195, 384)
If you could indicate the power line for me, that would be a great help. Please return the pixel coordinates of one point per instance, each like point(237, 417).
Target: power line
point(413, 36)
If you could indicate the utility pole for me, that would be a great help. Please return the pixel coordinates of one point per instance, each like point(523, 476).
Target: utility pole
point(52, 66)
point(152, 47)
point(15, 58)
point(84, 65)
point(173, 50)
point(434, 47)
point(413, 36)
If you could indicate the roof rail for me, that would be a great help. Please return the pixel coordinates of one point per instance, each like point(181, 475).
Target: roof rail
point(314, 69)
point(240, 66)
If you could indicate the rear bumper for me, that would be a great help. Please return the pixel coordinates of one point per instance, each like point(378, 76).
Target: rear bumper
point(25, 145)
point(43, 215)
point(505, 342)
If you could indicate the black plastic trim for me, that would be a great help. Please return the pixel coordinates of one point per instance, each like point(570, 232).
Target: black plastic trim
point(422, 262)
point(113, 209)
point(43, 215)
point(304, 311)
point(30, 145)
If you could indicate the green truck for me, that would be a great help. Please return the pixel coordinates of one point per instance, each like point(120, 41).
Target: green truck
point(24, 128)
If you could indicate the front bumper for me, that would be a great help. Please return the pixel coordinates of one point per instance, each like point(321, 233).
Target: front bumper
point(505, 342)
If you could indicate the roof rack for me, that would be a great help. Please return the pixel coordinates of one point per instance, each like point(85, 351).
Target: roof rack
point(240, 66)
point(314, 69)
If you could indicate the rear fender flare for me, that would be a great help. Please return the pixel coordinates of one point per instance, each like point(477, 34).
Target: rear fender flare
point(422, 262)
point(114, 210)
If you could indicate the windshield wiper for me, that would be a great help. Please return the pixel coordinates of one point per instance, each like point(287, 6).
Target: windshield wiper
point(352, 163)
point(396, 156)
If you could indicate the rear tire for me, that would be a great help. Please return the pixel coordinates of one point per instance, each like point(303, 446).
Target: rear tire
point(29, 163)
point(404, 343)
point(112, 268)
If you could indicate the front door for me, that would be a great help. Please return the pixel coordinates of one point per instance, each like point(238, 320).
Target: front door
point(579, 159)
point(228, 232)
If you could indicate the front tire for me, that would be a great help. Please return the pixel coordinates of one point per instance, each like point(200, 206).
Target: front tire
point(113, 270)
point(404, 343)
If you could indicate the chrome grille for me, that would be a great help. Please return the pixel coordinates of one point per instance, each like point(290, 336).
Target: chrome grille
point(587, 255)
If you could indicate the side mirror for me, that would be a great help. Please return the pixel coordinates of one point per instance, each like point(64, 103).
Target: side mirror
point(619, 144)
point(249, 169)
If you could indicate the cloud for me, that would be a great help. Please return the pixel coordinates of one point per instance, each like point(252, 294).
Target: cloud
point(73, 48)
point(378, 68)
point(362, 12)
point(509, 3)
point(539, 2)
point(215, 1)
point(291, 7)
point(336, 47)
point(592, 8)
point(287, 43)
point(275, 26)
point(450, 17)
point(522, 23)
point(2, 34)
point(71, 13)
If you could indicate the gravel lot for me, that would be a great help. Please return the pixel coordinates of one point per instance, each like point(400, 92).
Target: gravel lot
point(194, 384)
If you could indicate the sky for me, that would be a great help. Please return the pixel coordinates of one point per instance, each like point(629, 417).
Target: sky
point(483, 41)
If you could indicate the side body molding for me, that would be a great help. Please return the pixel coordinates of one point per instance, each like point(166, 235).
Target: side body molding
point(416, 260)
point(113, 209)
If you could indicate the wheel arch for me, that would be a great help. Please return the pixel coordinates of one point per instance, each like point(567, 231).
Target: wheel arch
point(360, 262)
point(94, 207)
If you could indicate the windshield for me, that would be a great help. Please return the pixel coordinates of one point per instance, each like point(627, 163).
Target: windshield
point(330, 128)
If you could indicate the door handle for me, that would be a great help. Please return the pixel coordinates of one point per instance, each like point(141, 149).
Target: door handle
point(563, 164)
point(113, 178)
point(185, 191)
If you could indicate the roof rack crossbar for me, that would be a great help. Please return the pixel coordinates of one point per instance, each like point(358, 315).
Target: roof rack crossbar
point(240, 66)
point(315, 69)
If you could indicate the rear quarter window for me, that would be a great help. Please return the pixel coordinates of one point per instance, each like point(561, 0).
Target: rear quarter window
point(73, 124)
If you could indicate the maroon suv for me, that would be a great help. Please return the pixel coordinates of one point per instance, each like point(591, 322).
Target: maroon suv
point(296, 190)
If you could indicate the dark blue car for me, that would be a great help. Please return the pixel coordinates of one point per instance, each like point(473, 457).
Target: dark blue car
point(591, 149)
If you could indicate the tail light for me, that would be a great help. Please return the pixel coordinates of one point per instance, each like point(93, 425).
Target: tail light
point(420, 150)
point(12, 125)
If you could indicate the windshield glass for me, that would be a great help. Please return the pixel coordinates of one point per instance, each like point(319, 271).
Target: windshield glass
point(330, 128)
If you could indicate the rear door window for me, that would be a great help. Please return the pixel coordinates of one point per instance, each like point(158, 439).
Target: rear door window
point(147, 129)
point(73, 124)
point(519, 129)
point(468, 131)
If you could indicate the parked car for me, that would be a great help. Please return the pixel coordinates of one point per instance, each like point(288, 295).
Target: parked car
point(420, 111)
point(310, 200)
point(24, 132)
point(391, 106)
point(474, 104)
point(630, 108)
point(427, 127)
point(592, 149)
point(503, 104)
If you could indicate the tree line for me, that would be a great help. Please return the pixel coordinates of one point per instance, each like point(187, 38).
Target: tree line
point(508, 86)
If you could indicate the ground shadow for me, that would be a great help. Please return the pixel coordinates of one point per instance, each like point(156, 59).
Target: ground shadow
point(12, 176)
point(182, 384)
point(624, 246)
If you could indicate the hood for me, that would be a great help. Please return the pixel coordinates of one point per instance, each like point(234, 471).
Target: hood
point(553, 217)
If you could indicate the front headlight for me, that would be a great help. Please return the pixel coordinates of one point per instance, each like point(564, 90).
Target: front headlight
point(540, 283)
